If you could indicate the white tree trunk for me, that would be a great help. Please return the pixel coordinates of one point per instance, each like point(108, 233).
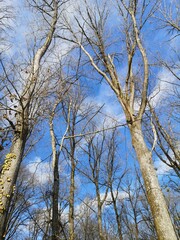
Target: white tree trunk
point(162, 220)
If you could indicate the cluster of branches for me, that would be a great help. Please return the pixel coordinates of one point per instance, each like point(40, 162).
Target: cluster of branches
point(76, 43)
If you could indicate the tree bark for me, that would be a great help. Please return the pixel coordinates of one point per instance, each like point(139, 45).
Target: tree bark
point(162, 220)
point(55, 192)
point(71, 199)
point(118, 220)
point(8, 178)
point(100, 220)
point(55, 210)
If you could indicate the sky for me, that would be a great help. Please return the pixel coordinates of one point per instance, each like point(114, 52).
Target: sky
point(103, 95)
point(38, 161)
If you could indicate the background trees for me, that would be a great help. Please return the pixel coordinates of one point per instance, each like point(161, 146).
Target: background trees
point(92, 86)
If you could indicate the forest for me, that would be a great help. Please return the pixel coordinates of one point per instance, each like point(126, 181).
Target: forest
point(89, 119)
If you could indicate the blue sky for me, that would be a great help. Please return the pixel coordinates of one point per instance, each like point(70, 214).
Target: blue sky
point(156, 41)
point(99, 94)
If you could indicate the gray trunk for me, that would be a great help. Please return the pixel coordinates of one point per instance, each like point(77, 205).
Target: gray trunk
point(100, 223)
point(99, 215)
point(118, 220)
point(162, 220)
point(71, 202)
point(55, 210)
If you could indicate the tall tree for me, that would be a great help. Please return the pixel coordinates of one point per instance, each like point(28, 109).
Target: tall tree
point(25, 103)
point(68, 108)
point(55, 164)
point(132, 93)
point(77, 121)
point(100, 167)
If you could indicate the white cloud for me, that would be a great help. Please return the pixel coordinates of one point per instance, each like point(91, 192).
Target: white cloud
point(111, 111)
point(120, 196)
point(42, 171)
point(91, 203)
point(163, 88)
point(161, 167)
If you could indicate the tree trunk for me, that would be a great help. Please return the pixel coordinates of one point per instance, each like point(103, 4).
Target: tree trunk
point(101, 237)
point(71, 200)
point(118, 220)
point(100, 224)
point(8, 179)
point(162, 220)
point(55, 219)
point(136, 229)
point(55, 193)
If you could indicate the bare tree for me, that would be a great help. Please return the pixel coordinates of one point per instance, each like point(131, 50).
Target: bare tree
point(87, 227)
point(7, 16)
point(133, 92)
point(77, 120)
point(55, 162)
point(166, 147)
point(21, 126)
point(169, 17)
point(115, 185)
point(69, 108)
point(100, 150)
point(21, 204)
